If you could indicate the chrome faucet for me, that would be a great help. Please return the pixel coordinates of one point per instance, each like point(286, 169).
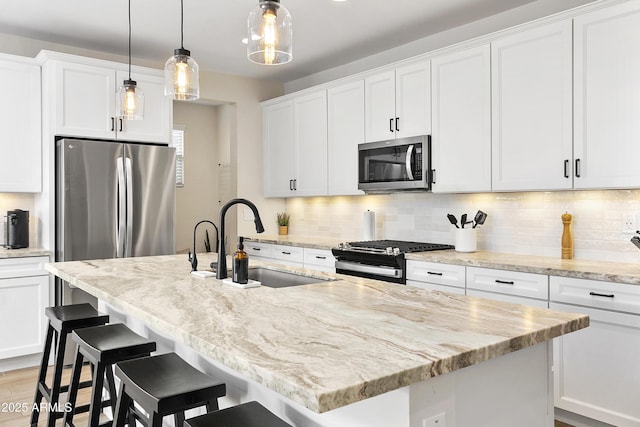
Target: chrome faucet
point(221, 270)
point(194, 259)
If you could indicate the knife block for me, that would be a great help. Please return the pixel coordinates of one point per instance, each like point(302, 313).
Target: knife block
point(567, 238)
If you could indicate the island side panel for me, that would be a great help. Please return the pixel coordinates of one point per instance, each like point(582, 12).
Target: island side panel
point(515, 389)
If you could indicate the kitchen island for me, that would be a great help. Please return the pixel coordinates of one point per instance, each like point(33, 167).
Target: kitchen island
point(345, 352)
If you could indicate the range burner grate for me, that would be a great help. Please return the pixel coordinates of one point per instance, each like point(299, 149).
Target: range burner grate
point(403, 246)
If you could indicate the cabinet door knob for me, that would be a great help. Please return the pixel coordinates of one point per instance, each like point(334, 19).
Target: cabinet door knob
point(390, 125)
point(566, 168)
point(577, 168)
point(397, 124)
point(120, 125)
point(113, 124)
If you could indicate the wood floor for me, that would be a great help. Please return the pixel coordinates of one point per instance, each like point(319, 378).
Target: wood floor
point(18, 387)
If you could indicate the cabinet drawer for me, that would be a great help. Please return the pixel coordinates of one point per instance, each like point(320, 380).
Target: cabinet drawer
point(288, 253)
point(508, 282)
point(318, 257)
point(596, 294)
point(433, 272)
point(23, 267)
point(260, 250)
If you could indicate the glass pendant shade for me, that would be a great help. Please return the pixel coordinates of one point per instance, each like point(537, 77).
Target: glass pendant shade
point(181, 76)
point(130, 101)
point(270, 34)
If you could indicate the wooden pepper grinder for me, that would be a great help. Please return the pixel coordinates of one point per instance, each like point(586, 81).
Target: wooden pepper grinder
point(567, 238)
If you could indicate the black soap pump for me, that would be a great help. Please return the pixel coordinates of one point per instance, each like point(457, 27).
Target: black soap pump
point(241, 264)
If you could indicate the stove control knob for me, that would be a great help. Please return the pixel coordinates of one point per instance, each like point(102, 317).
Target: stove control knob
point(396, 251)
point(389, 250)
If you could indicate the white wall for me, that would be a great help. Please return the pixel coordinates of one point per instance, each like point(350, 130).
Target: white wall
point(198, 198)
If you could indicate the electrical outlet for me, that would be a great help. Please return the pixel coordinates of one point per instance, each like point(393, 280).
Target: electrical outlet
point(438, 420)
point(629, 223)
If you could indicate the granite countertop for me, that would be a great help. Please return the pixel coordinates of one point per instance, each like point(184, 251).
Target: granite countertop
point(20, 253)
point(581, 269)
point(323, 345)
point(304, 241)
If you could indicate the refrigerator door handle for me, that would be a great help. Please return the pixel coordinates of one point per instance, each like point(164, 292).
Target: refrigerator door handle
point(120, 208)
point(129, 242)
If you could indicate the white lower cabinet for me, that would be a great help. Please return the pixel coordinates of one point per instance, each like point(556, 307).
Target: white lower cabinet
point(436, 276)
point(526, 288)
point(295, 256)
point(596, 371)
point(24, 294)
point(319, 259)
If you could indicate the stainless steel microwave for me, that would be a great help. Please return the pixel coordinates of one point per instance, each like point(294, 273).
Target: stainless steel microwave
point(395, 165)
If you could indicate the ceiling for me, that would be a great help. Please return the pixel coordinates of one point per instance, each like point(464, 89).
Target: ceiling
point(326, 33)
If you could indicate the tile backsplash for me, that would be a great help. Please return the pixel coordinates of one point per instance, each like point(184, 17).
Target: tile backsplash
point(523, 223)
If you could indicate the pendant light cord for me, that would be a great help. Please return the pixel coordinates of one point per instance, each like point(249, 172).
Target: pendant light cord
point(182, 24)
point(129, 39)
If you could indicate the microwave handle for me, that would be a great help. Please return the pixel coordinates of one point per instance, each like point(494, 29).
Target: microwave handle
point(408, 162)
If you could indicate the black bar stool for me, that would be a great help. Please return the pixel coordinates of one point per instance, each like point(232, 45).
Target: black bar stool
point(62, 320)
point(163, 385)
point(250, 414)
point(102, 346)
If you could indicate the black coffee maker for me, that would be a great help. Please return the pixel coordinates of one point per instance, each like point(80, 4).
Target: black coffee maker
point(17, 232)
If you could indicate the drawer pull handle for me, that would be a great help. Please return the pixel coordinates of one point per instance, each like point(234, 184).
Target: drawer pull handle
point(433, 273)
point(505, 282)
point(286, 253)
point(595, 294)
point(321, 257)
point(256, 249)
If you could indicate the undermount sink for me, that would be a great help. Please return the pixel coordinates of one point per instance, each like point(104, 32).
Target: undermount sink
point(282, 279)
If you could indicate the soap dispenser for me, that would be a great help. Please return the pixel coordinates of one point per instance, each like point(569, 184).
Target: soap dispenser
point(241, 264)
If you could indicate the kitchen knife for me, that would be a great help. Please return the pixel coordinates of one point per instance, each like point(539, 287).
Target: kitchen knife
point(463, 220)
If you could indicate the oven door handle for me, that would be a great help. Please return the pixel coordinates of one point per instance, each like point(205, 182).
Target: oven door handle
point(408, 162)
point(379, 270)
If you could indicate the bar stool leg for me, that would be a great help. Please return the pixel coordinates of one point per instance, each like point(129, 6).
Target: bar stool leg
point(96, 394)
point(73, 388)
point(212, 405)
point(122, 408)
point(179, 418)
point(111, 384)
point(57, 378)
point(35, 413)
point(156, 420)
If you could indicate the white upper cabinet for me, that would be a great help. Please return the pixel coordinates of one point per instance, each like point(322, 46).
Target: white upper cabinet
point(398, 102)
point(278, 155)
point(345, 126)
point(20, 120)
point(310, 127)
point(461, 141)
point(295, 146)
point(84, 101)
point(607, 97)
point(532, 108)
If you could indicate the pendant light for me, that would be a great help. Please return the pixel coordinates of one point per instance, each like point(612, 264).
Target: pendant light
point(181, 79)
point(269, 35)
point(130, 97)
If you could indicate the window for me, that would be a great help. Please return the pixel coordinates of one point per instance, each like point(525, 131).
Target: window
point(177, 141)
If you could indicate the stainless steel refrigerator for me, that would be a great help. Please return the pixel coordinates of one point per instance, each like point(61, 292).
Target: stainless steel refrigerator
point(113, 199)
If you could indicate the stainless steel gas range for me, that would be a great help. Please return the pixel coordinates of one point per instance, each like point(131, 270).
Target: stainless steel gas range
point(379, 259)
